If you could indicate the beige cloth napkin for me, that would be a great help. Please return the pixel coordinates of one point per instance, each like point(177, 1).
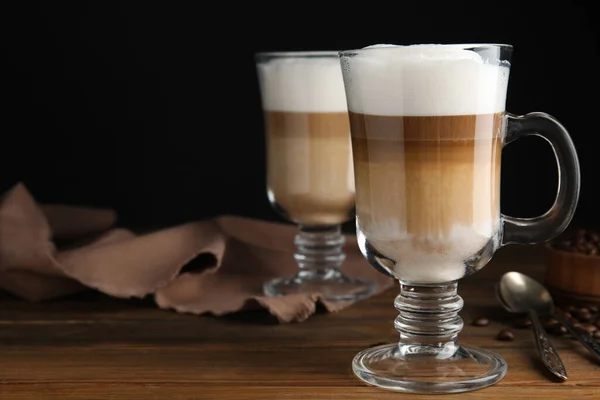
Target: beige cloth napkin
point(48, 251)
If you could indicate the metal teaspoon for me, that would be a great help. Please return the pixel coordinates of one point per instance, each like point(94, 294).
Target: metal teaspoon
point(545, 306)
point(517, 294)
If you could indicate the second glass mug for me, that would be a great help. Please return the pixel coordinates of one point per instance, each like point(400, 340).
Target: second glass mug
point(428, 125)
point(309, 168)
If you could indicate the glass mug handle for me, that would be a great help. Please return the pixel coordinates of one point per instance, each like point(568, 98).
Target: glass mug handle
point(552, 223)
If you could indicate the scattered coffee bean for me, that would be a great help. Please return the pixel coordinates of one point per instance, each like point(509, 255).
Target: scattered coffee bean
point(589, 328)
point(571, 309)
point(583, 315)
point(481, 321)
point(522, 323)
point(549, 323)
point(558, 329)
point(597, 334)
point(506, 334)
point(568, 315)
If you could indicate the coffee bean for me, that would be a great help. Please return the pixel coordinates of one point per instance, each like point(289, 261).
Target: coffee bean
point(597, 334)
point(558, 329)
point(522, 323)
point(481, 321)
point(584, 315)
point(589, 328)
point(574, 322)
point(560, 311)
point(549, 323)
point(567, 315)
point(506, 334)
point(593, 309)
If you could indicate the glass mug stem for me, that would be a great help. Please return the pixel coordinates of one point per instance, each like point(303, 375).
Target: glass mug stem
point(319, 252)
point(428, 322)
point(427, 357)
point(320, 255)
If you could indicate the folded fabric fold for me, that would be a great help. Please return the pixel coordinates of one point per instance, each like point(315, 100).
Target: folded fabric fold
point(48, 251)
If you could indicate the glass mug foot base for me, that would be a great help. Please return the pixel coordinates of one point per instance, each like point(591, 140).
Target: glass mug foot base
point(336, 287)
point(470, 368)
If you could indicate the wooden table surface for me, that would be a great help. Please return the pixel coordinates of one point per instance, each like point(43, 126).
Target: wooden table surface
point(93, 347)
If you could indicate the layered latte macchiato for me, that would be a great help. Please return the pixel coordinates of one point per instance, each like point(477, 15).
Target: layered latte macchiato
point(309, 158)
point(427, 127)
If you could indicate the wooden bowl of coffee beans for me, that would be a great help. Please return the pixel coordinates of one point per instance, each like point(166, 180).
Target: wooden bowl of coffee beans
point(573, 268)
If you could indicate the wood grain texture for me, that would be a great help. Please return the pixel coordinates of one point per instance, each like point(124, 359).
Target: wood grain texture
point(94, 347)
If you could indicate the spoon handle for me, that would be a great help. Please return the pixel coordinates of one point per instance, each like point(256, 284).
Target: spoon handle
point(587, 340)
point(549, 355)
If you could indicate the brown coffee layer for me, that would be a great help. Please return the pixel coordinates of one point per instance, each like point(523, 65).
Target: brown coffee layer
point(286, 123)
point(312, 211)
point(309, 166)
point(428, 177)
point(427, 128)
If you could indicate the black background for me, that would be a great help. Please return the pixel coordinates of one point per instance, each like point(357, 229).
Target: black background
point(152, 107)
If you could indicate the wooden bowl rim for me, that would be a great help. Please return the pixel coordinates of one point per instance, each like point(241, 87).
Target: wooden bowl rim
point(571, 254)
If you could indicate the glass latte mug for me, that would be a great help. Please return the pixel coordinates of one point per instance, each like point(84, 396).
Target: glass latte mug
point(310, 178)
point(428, 125)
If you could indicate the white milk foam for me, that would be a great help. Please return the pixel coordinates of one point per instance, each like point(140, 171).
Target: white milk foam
point(310, 84)
point(430, 260)
point(423, 80)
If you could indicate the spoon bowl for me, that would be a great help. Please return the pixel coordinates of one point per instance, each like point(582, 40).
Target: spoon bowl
point(519, 293)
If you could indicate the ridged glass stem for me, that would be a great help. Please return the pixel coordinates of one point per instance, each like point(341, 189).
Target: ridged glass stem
point(319, 251)
point(428, 321)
